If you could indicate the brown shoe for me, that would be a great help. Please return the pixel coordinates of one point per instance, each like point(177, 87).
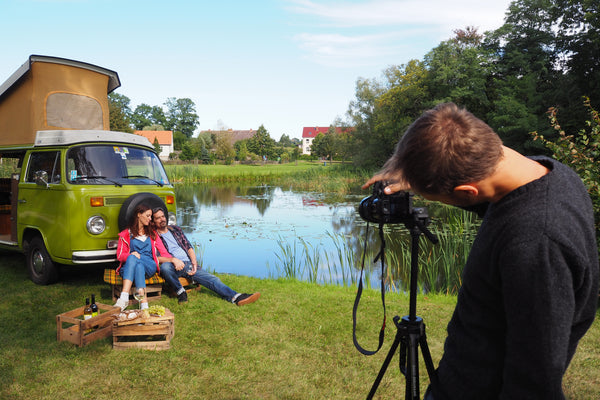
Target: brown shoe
point(246, 298)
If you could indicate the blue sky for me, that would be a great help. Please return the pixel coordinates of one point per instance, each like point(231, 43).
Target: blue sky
point(284, 64)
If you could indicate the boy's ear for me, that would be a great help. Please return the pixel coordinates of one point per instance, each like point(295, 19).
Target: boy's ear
point(468, 190)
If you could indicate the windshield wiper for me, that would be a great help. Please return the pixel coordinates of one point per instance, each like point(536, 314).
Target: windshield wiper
point(145, 177)
point(80, 178)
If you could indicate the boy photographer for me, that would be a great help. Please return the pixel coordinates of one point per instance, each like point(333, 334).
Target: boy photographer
point(530, 284)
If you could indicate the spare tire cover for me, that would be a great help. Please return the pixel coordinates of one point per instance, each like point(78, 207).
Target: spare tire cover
point(128, 207)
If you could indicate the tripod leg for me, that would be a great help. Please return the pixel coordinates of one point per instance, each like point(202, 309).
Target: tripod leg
point(412, 368)
point(385, 365)
point(427, 358)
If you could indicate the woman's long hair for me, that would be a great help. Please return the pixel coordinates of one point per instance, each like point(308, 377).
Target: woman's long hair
point(134, 223)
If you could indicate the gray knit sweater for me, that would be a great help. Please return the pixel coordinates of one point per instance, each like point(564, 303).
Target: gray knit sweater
point(529, 293)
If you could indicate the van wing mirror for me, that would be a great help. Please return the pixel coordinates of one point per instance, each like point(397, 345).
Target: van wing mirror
point(41, 178)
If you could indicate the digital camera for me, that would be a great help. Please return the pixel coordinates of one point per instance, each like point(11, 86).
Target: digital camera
point(388, 208)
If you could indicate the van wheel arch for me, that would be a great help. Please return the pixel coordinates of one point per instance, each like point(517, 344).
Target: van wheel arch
point(129, 205)
point(42, 270)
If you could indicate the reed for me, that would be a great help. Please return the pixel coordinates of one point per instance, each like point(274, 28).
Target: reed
point(440, 265)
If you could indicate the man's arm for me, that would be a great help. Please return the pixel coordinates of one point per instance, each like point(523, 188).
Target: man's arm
point(540, 305)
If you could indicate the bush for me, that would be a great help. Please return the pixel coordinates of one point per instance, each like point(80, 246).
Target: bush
point(580, 152)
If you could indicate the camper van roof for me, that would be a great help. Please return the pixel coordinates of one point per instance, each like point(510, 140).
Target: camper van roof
point(113, 77)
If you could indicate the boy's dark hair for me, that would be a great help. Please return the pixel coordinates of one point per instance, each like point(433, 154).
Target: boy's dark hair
point(445, 147)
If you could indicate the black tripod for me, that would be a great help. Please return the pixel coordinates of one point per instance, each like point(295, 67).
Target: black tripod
point(411, 328)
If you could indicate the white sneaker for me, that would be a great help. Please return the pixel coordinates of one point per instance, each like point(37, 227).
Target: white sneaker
point(122, 304)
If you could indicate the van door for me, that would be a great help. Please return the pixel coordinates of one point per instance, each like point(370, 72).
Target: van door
point(41, 202)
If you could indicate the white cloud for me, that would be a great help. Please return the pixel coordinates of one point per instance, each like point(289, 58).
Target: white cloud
point(338, 50)
point(458, 13)
point(342, 32)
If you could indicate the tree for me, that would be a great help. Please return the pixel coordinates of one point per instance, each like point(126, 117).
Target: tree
point(146, 115)
point(224, 148)
point(363, 115)
point(524, 78)
point(458, 70)
point(383, 111)
point(578, 43)
point(261, 143)
point(178, 140)
point(188, 152)
point(119, 112)
point(285, 141)
point(181, 116)
point(324, 144)
point(156, 145)
point(241, 150)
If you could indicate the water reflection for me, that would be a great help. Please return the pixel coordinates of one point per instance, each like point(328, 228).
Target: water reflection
point(239, 228)
point(268, 231)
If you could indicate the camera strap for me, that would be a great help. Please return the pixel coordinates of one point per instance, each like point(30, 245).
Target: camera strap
point(381, 256)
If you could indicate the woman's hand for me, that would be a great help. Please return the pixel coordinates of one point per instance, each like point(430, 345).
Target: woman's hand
point(135, 253)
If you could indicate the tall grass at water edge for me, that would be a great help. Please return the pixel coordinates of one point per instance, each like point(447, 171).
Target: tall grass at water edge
point(440, 265)
point(301, 176)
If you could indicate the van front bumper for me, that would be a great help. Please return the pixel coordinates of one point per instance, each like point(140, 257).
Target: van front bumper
point(94, 256)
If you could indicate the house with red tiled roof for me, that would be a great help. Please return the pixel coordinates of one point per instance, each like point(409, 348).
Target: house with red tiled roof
point(165, 140)
point(309, 133)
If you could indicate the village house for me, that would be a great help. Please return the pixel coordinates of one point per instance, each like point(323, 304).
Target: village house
point(165, 140)
point(309, 133)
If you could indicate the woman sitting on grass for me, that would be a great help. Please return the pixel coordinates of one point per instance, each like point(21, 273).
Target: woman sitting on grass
point(139, 254)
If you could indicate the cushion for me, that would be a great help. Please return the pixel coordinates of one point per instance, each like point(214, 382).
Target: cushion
point(111, 276)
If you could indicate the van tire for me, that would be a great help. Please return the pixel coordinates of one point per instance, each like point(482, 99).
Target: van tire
point(42, 270)
point(129, 205)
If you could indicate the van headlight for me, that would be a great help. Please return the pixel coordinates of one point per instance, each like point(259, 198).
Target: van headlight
point(95, 225)
point(172, 220)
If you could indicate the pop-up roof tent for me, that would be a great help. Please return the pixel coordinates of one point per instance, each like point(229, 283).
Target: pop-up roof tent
point(49, 93)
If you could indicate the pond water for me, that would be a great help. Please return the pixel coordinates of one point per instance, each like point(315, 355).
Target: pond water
point(270, 232)
point(240, 230)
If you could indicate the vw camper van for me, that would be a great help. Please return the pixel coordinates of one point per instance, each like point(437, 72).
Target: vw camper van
point(68, 184)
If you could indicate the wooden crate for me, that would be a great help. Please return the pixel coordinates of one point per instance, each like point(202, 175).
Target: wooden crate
point(71, 326)
point(154, 333)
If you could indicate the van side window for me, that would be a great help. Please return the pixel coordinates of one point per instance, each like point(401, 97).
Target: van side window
point(48, 161)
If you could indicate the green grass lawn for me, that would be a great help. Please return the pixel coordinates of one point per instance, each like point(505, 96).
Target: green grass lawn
point(294, 343)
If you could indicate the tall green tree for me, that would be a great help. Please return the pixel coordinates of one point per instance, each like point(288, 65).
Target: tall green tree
point(524, 75)
point(262, 144)
point(145, 115)
point(324, 145)
point(578, 42)
point(382, 111)
point(362, 113)
point(119, 112)
point(458, 71)
point(181, 116)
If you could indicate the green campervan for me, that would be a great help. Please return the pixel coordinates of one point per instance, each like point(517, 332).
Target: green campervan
point(67, 183)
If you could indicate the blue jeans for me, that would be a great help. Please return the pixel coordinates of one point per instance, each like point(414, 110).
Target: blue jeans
point(136, 270)
point(201, 277)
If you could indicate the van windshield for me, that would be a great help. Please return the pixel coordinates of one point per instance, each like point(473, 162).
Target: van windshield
point(114, 165)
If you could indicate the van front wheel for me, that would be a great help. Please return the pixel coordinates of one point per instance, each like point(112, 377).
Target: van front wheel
point(42, 269)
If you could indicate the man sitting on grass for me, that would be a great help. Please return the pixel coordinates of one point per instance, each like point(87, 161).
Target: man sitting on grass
point(184, 263)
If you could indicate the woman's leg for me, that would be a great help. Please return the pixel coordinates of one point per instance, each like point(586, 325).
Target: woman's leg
point(128, 273)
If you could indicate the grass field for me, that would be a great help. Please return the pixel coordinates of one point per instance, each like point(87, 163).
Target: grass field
point(294, 343)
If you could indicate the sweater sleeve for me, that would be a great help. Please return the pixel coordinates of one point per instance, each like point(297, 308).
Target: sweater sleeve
point(122, 250)
point(537, 284)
